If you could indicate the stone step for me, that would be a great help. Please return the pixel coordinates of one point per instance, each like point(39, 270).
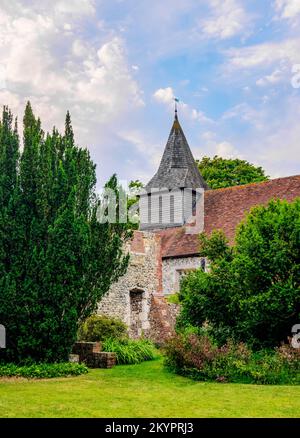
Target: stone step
point(90, 353)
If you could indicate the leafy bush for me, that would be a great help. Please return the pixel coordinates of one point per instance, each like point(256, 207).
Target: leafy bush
point(199, 357)
point(130, 351)
point(42, 371)
point(173, 299)
point(252, 292)
point(98, 328)
point(57, 260)
point(227, 172)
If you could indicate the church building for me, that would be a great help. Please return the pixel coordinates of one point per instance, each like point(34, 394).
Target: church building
point(175, 206)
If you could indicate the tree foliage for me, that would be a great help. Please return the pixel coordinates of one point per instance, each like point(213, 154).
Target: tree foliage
point(135, 188)
point(221, 172)
point(252, 291)
point(56, 259)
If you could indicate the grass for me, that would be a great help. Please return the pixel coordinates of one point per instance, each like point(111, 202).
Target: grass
point(143, 390)
point(130, 351)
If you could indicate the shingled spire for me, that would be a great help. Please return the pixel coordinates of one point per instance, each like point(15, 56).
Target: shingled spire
point(177, 168)
point(170, 198)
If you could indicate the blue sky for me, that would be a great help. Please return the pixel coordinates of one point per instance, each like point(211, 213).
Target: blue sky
point(116, 65)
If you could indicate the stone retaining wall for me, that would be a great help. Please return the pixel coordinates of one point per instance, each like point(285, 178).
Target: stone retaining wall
point(90, 353)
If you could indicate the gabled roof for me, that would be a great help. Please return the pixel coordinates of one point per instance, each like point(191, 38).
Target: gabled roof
point(177, 168)
point(224, 209)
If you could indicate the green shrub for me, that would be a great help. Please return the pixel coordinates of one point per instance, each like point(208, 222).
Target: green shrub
point(173, 299)
point(57, 259)
point(130, 351)
point(200, 358)
point(99, 328)
point(251, 291)
point(42, 371)
point(227, 172)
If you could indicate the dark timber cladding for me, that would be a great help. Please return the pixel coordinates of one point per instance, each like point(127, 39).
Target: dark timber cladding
point(177, 168)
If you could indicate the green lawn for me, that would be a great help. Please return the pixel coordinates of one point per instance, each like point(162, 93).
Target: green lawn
point(145, 390)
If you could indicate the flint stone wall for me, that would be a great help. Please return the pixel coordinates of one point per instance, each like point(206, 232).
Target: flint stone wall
point(174, 268)
point(142, 277)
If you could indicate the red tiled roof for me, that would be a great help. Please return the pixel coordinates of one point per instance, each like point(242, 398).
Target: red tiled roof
point(224, 209)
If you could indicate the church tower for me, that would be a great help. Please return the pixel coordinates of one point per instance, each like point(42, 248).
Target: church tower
point(169, 198)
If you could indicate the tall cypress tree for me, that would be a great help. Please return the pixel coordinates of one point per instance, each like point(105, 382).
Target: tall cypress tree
point(10, 229)
point(56, 259)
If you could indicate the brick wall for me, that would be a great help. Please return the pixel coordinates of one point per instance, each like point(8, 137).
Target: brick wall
point(162, 319)
point(90, 353)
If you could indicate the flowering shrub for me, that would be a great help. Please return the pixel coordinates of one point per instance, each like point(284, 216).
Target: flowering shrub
point(289, 355)
point(198, 356)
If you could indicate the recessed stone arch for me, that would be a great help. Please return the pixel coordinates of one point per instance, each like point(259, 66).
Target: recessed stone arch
point(137, 299)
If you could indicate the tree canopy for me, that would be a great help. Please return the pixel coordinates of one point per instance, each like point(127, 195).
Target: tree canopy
point(252, 291)
point(221, 172)
point(56, 259)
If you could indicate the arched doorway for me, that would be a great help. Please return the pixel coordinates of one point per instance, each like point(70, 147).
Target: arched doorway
point(136, 312)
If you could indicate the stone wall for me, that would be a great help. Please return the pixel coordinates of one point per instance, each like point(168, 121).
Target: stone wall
point(90, 353)
point(174, 268)
point(142, 280)
point(138, 297)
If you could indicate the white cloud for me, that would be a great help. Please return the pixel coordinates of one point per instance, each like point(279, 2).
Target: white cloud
point(60, 55)
point(288, 9)
point(106, 81)
point(164, 95)
point(246, 113)
point(272, 79)
point(227, 19)
point(148, 150)
point(209, 136)
point(167, 96)
point(196, 115)
point(57, 71)
point(211, 145)
point(226, 150)
point(277, 149)
point(79, 48)
point(74, 7)
point(267, 140)
point(265, 54)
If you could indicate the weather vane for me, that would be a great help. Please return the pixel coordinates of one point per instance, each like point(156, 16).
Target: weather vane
point(176, 100)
